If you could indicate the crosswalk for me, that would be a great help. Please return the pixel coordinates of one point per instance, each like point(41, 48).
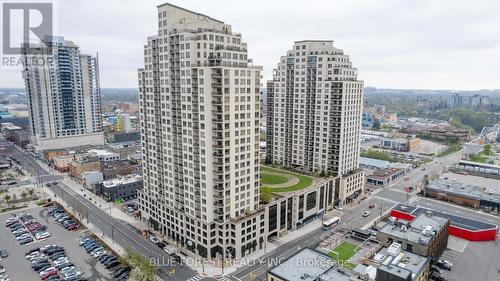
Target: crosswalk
point(199, 277)
point(387, 199)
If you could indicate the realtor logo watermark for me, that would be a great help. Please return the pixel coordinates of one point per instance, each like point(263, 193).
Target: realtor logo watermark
point(23, 24)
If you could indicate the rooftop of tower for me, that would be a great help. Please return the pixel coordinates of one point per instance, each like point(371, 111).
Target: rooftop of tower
point(187, 10)
point(313, 40)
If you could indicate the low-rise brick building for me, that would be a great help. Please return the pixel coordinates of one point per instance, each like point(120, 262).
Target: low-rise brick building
point(86, 164)
point(426, 235)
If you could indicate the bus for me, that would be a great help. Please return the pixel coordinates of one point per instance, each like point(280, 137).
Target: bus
point(328, 224)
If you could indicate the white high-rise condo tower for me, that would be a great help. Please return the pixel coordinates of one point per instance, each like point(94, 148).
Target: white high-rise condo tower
point(64, 97)
point(199, 106)
point(314, 115)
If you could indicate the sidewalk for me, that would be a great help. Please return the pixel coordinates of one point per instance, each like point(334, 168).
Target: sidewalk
point(90, 226)
point(214, 268)
point(109, 207)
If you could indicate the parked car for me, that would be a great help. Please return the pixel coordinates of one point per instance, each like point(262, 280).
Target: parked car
point(444, 264)
point(4, 254)
point(437, 277)
point(26, 241)
point(112, 264)
point(366, 213)
point(33, 255)
point(170, 250)
point(72, 227)
point(64, 265)
point(40, 265)
point(42, 235)
point(153, 239)
point(23, 236)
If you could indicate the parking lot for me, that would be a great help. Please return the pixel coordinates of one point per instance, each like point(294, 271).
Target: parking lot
point(18, 268)
point(475, 261)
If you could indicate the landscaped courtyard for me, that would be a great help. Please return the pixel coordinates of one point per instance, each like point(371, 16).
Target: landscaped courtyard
point(276, 180)
point(342, 253)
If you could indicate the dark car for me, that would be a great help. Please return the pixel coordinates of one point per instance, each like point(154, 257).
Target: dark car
point(57, 255)
point(108, 259)
point(16, 225)
point(112, 264)
point(66, 264)
point(39, 265)
point(43, 268)
point(437, 277)
point(72, 227)
point(121, 271)
point(103, 257)
point(4, 254)
point(123, 276)
point(32, 251)
point(54, 250)
point(161, 245)
point(444, 264)
point(25, 241)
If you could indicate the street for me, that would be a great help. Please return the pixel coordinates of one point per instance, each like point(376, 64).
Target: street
point(122, 234)
point(129, 237)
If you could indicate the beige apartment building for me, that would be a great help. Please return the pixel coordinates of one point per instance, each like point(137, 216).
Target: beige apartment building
point(199, 112)
point(314, 113)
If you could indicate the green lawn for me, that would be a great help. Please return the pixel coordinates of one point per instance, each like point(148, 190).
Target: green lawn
point(451, 149)
point(345, 252)
point(272, 179)
point(304, 181)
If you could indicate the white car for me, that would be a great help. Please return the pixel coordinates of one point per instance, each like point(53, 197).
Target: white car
point(24, 236)
point(68, 269)
point(33, 255)
point(365, 213)
point(60, 261)
point(43, 272)
point(42, 235)
point(98, 249)
point(20, 231)
point(46, 247)
point(99, 253)
point(153, 239)
point(2, 269)
point(169, 250)
point(71, 275)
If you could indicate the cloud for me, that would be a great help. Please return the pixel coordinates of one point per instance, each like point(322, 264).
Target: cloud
point(442, 44)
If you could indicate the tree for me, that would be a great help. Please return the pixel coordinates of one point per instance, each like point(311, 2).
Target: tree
point(142, 268)
point(24, 194)
point(7, 197)
point(31, 192)
point(376, 124)
point(268, 160)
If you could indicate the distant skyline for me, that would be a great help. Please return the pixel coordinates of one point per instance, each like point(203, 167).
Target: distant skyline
point(394, 44)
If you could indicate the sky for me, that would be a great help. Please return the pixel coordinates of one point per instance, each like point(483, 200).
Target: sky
point(417, 44)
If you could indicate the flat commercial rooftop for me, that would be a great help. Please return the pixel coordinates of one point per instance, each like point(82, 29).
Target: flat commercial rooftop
point(467, 190)
point(415, 232)
point(458, 221)
point(309, 265)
